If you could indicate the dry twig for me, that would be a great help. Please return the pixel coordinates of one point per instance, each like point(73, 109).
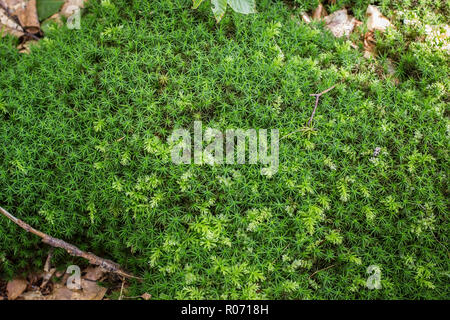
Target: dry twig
point(315, 272)
point(318, 95)
point(108, 265)
point(308, 128)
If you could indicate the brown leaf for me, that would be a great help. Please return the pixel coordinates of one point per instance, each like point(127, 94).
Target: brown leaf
point(61, 292)
point(369, 45)
point(15, 288)
point(55, 18)
point(25, 46)
point(340, 23)
point(29, 18)
point(8, 25)
point(146, 296)
point(94, 273)
point(376, 21)
point(319, 12)
point(31, 295)
point(90, 290)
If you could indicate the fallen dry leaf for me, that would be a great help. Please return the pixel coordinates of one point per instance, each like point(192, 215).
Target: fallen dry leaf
point(26, 13)
point(60, 292)
point(376, 21)
point(8, 25)
point(340, 23)
point(319, 12)
point(32, 295)
point(24, 47)
point(369, 45)
point(56, 18)
point(15, 288)
point(146, 296)
point(90, 290)
point(29, 18)
point(94, 273)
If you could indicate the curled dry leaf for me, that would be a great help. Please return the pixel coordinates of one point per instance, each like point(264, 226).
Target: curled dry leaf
point(146, 296)
point(25, 46)
point(26, 13)
point(7, 24)
point(369, 44)
point(94, 273)
point(56, 18)
point(29, 18)
point(15, 288)
point(90, 290)
point(340, 23)
point(376, 21)
point(32, 295)
point(319, 12)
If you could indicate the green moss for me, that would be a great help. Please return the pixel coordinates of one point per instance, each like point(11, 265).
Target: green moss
point(80, 161)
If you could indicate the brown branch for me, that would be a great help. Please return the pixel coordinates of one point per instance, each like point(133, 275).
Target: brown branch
point(314, 273)
point(108, 265)
point(318, 95)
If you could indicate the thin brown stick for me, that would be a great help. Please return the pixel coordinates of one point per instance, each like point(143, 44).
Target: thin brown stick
point(317, 95)
point(121, 289)
point(314, 273)
point(108, 265)
point(48, 262)
point(445, 247)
